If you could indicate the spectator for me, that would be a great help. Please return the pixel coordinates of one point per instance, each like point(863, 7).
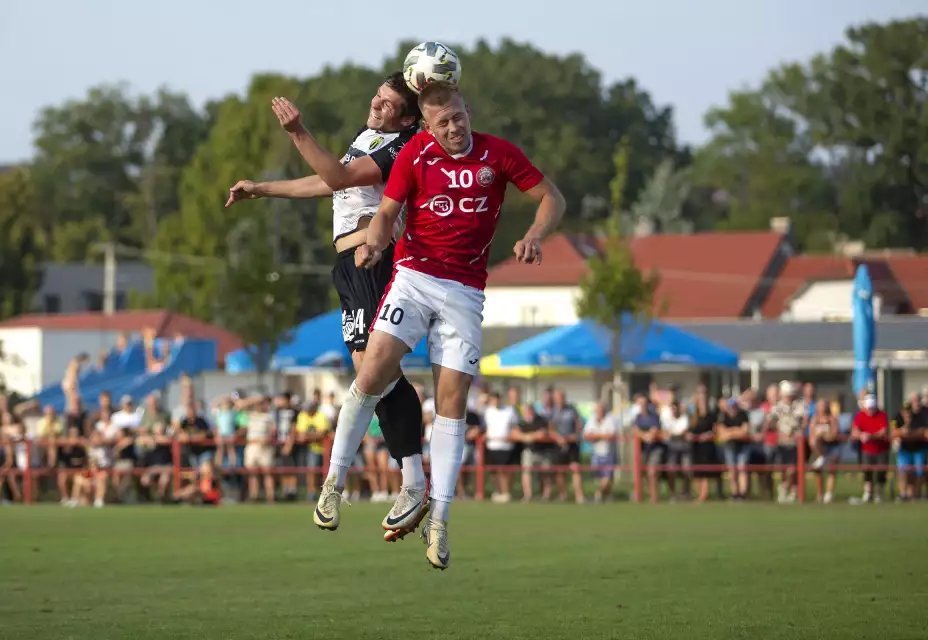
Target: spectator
point(259, 450)
point(532, 432)
point(204, 489)
point(196, 433)
point(566, 429)
point(93, 483)
point(70, 460)
point(602, 430)
point(311, 427)
point(128, 417)
point(825, 446)
point(733, 431)
point(329, 409)
point(788, 417)
point(158, 467)
point(428, 416)
point(104, 406)
point(75, 415)
point(376, 461)
point(910, 430)
point(648, 424)
point(49, 430)
point(871, 428)
point(224, 417)
point(9, 440)
point(702, 435)
point(285, 419)
point(500, 421)
point(474, 428)
point(675, 424)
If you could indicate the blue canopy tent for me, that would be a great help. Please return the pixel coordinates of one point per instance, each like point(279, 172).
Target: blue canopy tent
point(586, 346)
point(317, 343)
point(863, 329)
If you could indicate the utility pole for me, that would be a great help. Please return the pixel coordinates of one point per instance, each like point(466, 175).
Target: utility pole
point(109, 278)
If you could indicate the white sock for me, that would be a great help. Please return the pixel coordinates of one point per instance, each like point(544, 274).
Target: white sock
point(413, 473)
point(353, 422)
point(447, 449)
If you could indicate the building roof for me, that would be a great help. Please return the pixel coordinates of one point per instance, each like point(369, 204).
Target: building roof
point(563, 264)
point(709, 275)
point(911, 272)
point(165, 323)
point(703, 275)
point(771, 336)
point(801, 271)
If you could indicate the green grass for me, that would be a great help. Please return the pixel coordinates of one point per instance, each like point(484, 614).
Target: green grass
point(518, 571)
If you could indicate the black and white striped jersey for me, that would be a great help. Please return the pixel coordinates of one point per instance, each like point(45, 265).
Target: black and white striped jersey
point(351, 205)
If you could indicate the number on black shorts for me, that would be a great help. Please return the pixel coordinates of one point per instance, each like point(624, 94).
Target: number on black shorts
point(393, 317)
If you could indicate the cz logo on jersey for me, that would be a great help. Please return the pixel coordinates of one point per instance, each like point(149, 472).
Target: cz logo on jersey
point(352, 324)
point(442, 205)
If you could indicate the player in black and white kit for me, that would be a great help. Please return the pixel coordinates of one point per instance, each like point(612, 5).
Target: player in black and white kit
point(356, 183)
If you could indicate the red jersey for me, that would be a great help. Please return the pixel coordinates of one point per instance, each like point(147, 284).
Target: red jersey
point(876, 423)
point(453, 203)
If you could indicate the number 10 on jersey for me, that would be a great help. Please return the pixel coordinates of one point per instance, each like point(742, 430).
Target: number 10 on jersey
point(462, 179)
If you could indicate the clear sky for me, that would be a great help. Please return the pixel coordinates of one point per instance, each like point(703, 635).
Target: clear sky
point(689, 53)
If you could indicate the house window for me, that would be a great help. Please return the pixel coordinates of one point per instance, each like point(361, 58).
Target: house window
point(52, 303)
point(93, 301)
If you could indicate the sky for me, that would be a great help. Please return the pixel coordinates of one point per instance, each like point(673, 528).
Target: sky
point(686, 53)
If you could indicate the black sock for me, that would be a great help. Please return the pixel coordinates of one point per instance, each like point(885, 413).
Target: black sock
point(400, 415)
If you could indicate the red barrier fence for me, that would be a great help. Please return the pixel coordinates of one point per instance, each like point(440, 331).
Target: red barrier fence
point(480, 468)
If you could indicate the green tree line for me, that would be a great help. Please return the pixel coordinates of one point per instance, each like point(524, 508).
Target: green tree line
point(839, 142)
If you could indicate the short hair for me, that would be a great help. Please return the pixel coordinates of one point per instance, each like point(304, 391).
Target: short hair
point(439, 93)
point(410, 101)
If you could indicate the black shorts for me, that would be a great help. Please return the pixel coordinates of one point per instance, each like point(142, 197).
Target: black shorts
point(570, 455)
point(360, 291)
point(499, 458)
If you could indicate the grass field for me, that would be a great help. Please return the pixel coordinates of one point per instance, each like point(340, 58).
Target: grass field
point(518, 571)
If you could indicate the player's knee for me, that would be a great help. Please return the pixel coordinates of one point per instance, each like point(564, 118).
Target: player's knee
point(451, 399)
point(380, 362)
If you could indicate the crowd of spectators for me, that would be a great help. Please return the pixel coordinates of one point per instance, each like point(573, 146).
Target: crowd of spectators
point(261, 448)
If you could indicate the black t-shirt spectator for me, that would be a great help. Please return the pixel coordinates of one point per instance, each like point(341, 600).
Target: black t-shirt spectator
point(917, 429)
point(537, 424)
point(72, 456)
point(739, 419)
point(76, 420)
point(128, 451)
point(197, 427)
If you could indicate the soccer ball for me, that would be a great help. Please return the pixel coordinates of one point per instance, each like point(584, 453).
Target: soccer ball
point(428, 62)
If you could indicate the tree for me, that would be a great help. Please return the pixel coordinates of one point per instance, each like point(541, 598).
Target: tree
point(660, 204)
point(613, 289)
point(107, 166)
point(22, 243)
point(258, 300)
point(839, 143)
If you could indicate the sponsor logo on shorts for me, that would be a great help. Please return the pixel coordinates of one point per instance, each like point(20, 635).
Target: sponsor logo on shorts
point(441, 205)
point(352, 324)
point(485, 177)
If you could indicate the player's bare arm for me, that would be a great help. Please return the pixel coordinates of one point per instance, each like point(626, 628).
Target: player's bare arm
point(301, 188)
point(379, 233)
point(551, 207)
point(362, 172)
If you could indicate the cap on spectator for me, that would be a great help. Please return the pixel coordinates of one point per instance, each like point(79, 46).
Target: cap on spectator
point(732, 402)
point(787, 389)
point(870, 401)
point(126, 399)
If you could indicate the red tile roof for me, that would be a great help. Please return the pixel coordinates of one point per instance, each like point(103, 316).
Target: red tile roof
point(563, 264)
point(165, 323)
point(708, 275)
point(703, 275)
point(801, 271)
point(912, 274)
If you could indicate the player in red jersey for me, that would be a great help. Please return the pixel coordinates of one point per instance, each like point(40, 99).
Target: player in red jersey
point(452, 182)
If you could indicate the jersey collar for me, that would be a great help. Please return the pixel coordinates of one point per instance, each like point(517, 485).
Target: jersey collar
point(463, 154)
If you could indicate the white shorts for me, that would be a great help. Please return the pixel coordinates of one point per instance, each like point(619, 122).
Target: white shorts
point(450, 313)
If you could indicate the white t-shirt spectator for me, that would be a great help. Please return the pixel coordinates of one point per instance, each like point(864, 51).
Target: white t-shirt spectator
point(608, 426)
point(676, 427)
point(499, 422)
point(330, 411)
point(127, 419)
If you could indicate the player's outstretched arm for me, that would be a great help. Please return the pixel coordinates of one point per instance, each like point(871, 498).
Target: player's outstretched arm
point(379, 233)
point(362, 172)
point(301, 188)
point(551, 207)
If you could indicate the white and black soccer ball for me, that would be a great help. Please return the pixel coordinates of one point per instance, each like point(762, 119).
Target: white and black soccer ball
point(428, 62)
